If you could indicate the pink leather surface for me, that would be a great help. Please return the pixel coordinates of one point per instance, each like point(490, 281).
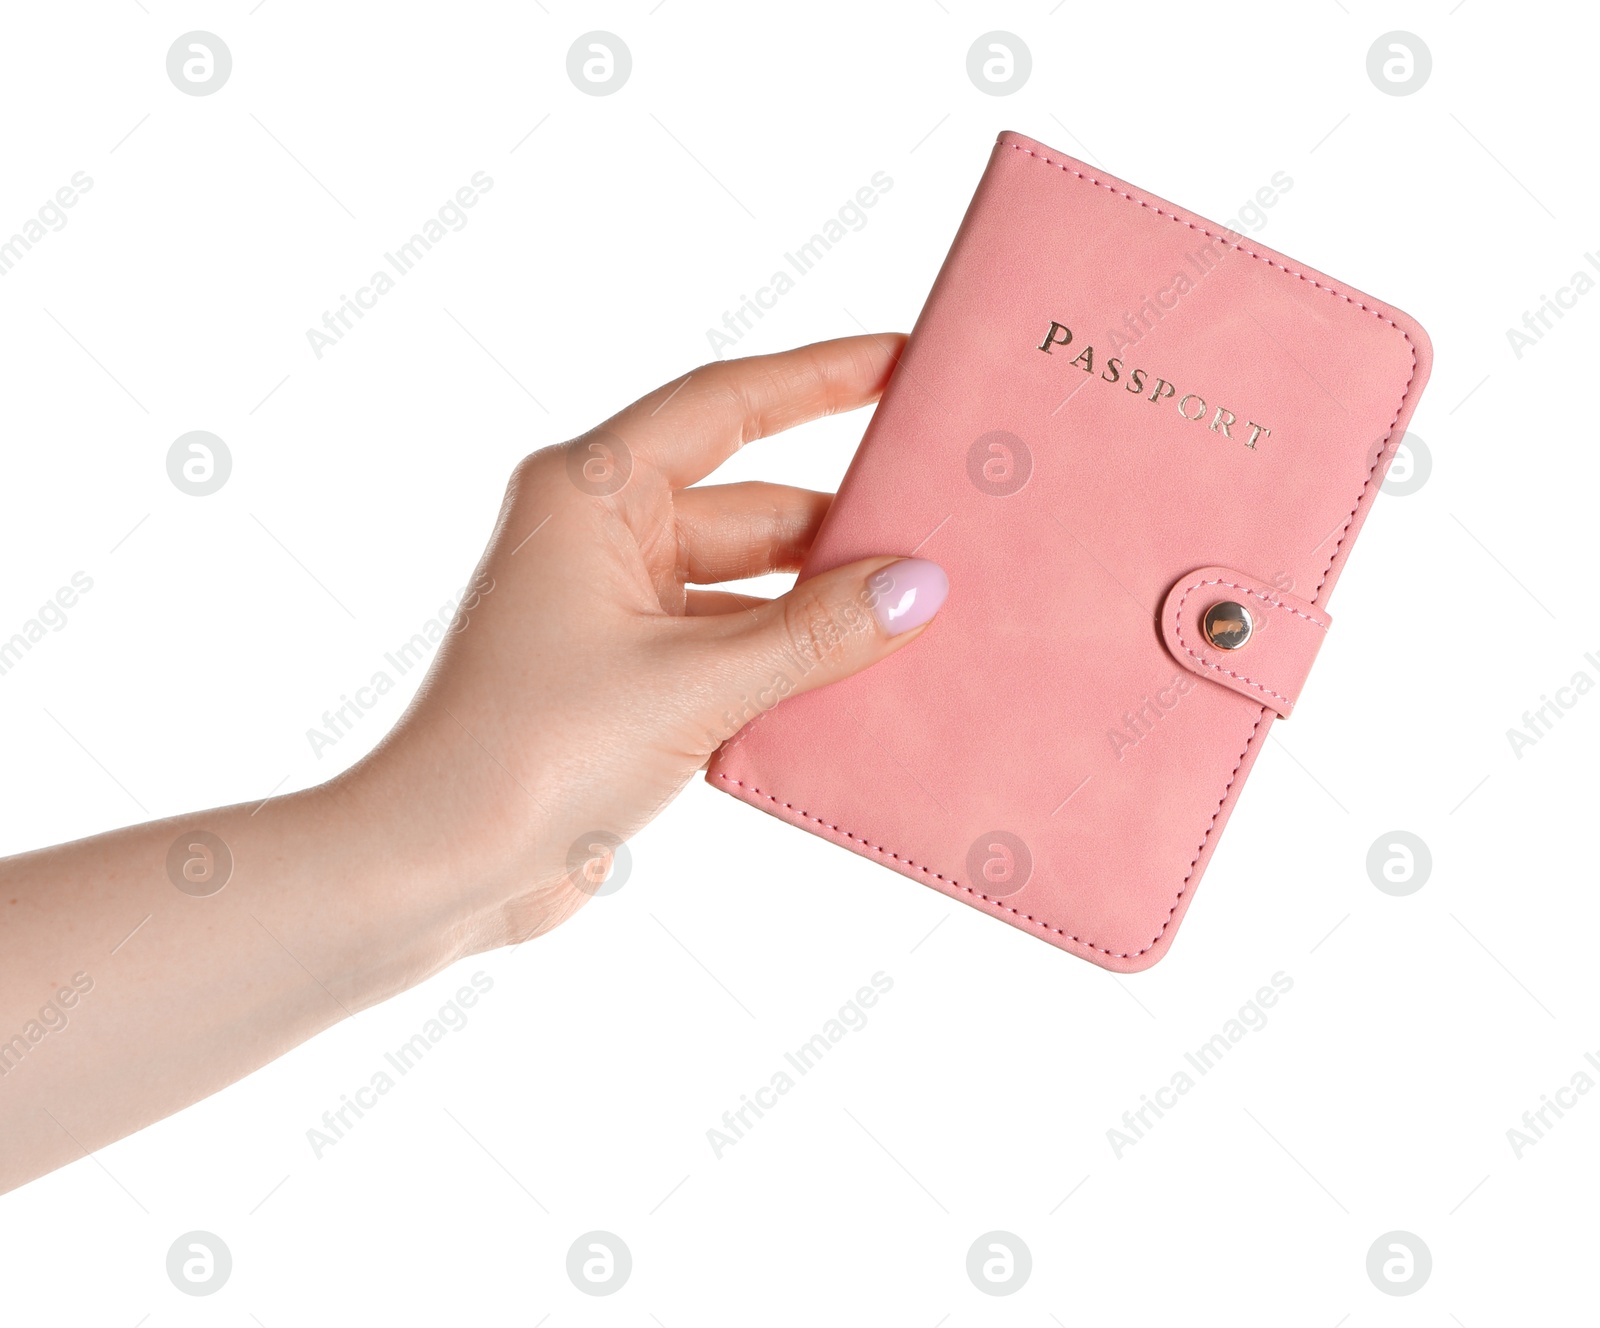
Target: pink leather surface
point(1040, 753)
point(1272, 666)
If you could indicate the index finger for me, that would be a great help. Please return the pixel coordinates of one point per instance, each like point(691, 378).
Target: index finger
point(689, 427)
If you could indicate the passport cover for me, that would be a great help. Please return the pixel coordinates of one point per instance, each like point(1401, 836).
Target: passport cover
point(1112, 416)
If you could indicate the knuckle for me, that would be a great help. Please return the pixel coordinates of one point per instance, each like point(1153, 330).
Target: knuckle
point(715, 380)
point(533, 468)
point(731, 389)
point(813, 629)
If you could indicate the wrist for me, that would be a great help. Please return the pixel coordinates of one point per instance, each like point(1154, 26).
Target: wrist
point(447, 868)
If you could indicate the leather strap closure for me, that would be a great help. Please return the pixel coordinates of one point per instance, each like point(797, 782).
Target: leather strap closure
point(1283, 634)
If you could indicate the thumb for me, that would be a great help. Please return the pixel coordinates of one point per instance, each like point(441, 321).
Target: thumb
point(828, 627)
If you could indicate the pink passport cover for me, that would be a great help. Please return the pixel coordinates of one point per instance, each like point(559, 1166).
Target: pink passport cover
point(1111, 415)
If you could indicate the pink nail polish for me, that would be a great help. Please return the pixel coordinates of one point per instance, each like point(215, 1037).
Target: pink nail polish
point(906, 594)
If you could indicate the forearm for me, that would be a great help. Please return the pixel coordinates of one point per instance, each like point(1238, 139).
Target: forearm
point(183, 987)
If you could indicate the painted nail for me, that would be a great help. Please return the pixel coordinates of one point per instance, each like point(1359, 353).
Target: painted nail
point(907, 593)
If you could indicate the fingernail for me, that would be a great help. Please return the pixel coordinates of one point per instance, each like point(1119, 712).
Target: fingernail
point(907, 593)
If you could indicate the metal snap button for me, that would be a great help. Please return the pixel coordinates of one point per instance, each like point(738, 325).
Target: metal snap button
point(1227, 625)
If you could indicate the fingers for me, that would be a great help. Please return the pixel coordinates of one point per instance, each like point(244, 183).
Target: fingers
point(689, 427)
point(727, 532)
point(828, 627)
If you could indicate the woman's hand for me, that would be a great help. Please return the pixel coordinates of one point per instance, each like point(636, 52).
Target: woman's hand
point(586, 679)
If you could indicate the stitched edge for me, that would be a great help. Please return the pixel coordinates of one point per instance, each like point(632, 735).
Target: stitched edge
point(978, 894)
point(1258, 594)
point(1411, 346)
point(1361, 494)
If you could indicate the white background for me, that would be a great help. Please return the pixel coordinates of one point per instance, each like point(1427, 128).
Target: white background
point(979, 1095)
